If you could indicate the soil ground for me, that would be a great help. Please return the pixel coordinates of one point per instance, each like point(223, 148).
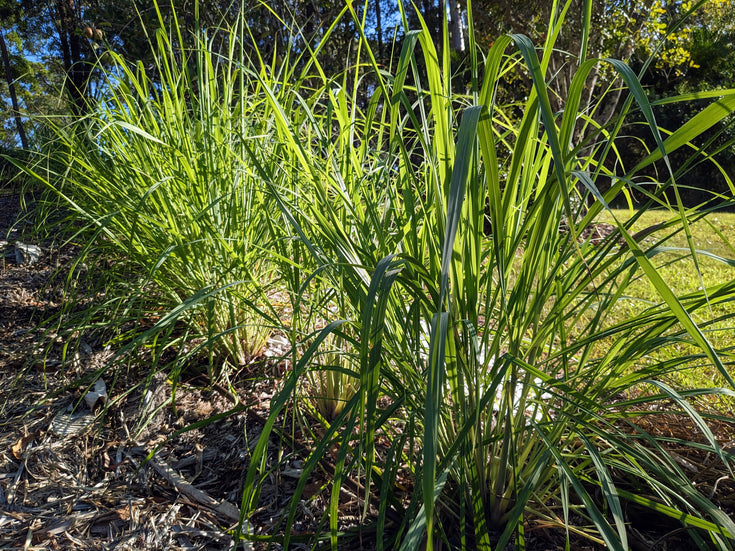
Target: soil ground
point(130, 476)
point(72, 477)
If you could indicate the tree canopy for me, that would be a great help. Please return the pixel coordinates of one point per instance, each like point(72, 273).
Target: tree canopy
point(50, 47)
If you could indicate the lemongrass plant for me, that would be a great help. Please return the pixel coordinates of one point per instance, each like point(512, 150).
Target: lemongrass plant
point(501, 357)
point(332, 379)
point(161, 172)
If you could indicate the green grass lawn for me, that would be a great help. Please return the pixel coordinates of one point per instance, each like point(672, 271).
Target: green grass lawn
point(715, 235)
point(712, 235)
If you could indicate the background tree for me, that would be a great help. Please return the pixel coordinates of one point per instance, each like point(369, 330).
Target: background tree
point(28, 80)
point(621, 24)
point(698, 56)
point(690, 42)
point(10, 79)
point(53, 45)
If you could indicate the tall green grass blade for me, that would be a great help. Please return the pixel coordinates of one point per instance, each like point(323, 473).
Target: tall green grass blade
point(418, 531)
point(258, 457)
point(609, 490)
point(684, 518)
point(612, 538)
point(703, 121)
point(373, 323)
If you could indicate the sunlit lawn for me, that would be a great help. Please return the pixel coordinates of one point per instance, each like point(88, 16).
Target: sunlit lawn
point(715, 235)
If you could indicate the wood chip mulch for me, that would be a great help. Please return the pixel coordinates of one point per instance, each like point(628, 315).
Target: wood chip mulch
point(128, 476)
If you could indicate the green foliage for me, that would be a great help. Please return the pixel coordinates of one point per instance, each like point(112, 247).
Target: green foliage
point(492, 344)
point(11, 177)
point(36, 82)
point(676, 30)
point(431, 251)
point(164, 180)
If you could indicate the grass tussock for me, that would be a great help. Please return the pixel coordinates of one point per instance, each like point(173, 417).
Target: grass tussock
point(423, 250)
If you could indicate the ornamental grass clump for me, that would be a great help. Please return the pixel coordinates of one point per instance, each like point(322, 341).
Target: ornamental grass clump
point(332, 380)
point(161, 172)
point(455, 325)
point(518, 409)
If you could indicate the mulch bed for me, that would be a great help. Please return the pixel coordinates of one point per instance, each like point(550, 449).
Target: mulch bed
point(129, 476)
point(75, 478)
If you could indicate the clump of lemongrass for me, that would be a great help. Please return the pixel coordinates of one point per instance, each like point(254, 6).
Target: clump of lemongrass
point(513, 413)
point(162, 173)
point(332, 379)
point(514, 404)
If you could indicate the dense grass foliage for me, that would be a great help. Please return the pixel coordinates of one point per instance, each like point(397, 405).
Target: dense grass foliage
point(426, 252)
point(161, 172)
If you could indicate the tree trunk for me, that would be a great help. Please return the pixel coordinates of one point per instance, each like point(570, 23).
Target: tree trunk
point(11, 88)
point(77, 70)
point(456, 29)
point(379, 29)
